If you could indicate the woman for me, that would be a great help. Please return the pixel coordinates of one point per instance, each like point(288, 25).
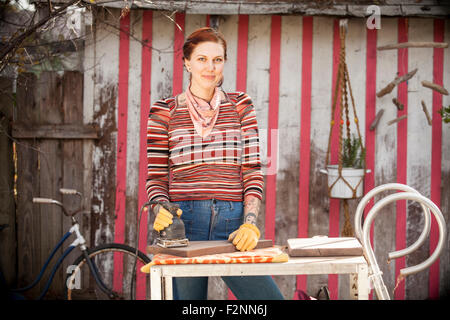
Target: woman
point(206, 141)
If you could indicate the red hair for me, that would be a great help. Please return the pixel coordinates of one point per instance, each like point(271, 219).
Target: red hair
point(205, 34)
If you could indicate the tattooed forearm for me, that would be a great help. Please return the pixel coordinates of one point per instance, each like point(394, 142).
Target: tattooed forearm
point(250, 217)
point(251, 209)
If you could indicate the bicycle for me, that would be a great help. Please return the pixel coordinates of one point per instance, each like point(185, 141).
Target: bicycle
point(94, 265)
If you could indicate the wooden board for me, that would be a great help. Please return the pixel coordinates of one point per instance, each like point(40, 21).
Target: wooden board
point(324, 247)
point(56, 131)
point(201, 248)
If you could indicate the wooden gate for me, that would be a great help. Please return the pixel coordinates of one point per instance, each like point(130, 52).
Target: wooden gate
point(50, 142)
point(7, 207)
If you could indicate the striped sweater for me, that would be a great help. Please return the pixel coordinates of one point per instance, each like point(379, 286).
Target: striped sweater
point(182, 165)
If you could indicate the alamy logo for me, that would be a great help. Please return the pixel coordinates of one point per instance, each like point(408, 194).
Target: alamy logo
point(374, 21)
point(74, 281)
point(229, 147)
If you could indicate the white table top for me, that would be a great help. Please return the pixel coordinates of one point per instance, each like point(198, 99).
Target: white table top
point(295, 265)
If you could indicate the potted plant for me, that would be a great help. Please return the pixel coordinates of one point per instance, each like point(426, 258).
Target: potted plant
point(353, 153)
point(445, 114)
point(349, 183)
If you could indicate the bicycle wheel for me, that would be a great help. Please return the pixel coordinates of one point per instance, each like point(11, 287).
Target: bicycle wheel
point(114, 263)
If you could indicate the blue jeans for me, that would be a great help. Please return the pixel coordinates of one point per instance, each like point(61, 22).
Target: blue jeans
point(215, 220)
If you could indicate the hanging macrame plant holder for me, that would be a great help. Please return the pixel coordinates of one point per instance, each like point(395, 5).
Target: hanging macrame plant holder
point(344, 182)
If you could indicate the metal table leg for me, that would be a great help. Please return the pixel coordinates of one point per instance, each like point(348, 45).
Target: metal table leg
point(353, 286)
point(168, 292)
point(363, 282)
point(155, 284)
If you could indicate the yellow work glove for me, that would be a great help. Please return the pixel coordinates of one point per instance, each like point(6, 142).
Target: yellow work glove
point(246, 237)
point(163, 217)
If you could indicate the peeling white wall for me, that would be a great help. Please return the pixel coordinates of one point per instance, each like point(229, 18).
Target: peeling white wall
point(104, 73)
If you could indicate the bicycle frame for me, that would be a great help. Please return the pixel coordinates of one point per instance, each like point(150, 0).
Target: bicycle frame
point(79, 241)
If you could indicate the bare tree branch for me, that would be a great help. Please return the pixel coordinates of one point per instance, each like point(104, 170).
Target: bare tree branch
point(13, 44)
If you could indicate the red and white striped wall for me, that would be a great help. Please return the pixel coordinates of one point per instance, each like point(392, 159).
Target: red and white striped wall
point(288, 65)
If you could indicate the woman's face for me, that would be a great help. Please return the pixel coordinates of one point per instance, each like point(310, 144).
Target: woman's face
point(206, 64)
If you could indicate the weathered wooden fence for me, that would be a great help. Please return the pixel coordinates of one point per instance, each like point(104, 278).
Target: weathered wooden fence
point(8, 252)
point(49, 135)
point(288, 65)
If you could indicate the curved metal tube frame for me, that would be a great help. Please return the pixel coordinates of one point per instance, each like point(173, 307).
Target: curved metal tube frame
point(393, 186)
point(414, 196)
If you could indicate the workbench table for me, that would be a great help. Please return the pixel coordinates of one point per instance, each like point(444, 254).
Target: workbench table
point(356, 266)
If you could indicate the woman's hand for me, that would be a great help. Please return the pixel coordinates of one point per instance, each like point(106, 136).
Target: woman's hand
point(163, 217)
point(246, 237)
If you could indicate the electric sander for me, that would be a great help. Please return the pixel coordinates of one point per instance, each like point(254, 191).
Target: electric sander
point(174, 235)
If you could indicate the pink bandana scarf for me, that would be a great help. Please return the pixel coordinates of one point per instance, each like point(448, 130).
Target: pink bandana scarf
point(203, 114)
